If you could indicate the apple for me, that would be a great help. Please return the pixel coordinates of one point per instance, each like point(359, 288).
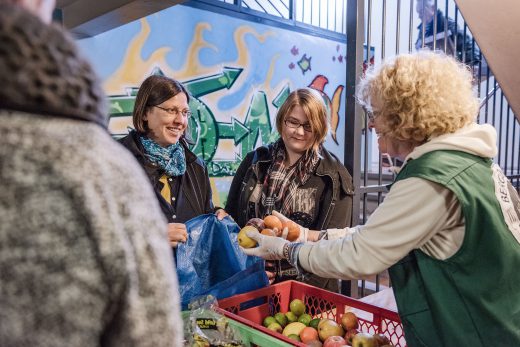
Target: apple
point(291, 317)
point(294, 337)
point(350, 335)
point(268, 320)
point(328, 327)
point(275, 327)
point(305, 319)
point(334, 341)
point(244, 240)
point(308, 334)
point(381, 340)
point(297, 307)
point(281, 319)
point(363, 340)
point(314, 343)
point(349, 321)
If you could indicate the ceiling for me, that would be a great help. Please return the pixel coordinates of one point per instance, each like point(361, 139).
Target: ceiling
point(86, 18)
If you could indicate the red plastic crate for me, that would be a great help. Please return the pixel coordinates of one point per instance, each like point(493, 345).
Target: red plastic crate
point(252, 307)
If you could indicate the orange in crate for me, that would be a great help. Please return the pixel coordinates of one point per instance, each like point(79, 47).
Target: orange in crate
point(252, 307)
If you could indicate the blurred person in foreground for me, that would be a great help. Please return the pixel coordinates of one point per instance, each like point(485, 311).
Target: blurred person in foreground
point(296, 176)
point(84, 257)
point(447, 230)
point(179, 178)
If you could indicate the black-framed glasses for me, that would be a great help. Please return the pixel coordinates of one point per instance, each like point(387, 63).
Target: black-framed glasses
point(174, 111)
point(294, 124)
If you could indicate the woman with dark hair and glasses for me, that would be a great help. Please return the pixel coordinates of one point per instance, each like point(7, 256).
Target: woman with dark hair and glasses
point(178, 176)
point(296, 176)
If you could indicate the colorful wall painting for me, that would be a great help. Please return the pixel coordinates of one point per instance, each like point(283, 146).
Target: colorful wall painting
point(238, 72)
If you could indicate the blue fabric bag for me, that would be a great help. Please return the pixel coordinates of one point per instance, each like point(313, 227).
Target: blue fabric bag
point(211, 262)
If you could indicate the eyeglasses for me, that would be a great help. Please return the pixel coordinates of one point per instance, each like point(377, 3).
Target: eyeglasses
point(294, 124)
point(174, 111)
point(371, 115)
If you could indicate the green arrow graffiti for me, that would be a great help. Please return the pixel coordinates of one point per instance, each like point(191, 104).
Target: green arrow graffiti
point(258, 122)
point(234, 130)
point(206, 85)
point(203, 128)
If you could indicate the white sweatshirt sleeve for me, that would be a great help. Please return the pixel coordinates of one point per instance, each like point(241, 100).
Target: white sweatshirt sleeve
point(415, 214)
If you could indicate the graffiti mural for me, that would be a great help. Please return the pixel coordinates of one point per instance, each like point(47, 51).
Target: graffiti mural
point(239, 73)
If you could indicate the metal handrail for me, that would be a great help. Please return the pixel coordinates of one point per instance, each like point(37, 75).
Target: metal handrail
point(484, 101)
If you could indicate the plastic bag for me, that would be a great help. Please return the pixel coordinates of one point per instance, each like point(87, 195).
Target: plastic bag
point(204, 327)
point(211, 262)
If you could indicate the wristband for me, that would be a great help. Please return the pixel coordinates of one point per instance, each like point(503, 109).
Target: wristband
point(286, 251)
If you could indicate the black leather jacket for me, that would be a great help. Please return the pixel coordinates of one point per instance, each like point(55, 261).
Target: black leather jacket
point(333, 206)
point(194, 196)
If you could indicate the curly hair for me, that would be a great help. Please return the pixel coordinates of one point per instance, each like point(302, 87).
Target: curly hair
point(421, 95)
point(314, 108)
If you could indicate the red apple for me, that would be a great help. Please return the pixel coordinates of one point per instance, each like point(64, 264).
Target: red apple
point(334, 341)
point(349, 321)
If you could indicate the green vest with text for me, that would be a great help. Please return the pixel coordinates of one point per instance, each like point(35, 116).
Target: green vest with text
point(472, 298)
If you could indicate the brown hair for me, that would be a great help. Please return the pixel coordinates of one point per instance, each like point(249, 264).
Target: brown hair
point(154, 90)
point(314, 108)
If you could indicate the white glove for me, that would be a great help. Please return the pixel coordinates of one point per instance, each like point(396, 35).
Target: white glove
point(280, 216)
point(303, 231)
point(269, 247)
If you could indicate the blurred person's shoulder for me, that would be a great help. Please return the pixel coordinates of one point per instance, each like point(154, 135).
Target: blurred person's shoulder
point(80, 155)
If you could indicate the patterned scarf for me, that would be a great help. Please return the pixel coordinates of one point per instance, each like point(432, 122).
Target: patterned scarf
point(281, 182)
point(170, 158)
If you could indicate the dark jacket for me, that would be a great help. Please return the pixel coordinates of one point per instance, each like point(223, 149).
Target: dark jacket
point(194, 190)
point(333, 207)
point(467, 52)
point(331, 185)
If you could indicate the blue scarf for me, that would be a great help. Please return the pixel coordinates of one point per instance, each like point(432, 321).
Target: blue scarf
point(170, 158)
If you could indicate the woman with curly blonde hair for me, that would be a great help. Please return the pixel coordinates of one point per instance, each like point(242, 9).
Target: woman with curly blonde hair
point(448, 230)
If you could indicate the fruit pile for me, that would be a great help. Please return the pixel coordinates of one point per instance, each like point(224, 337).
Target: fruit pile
point(271, 226)
point(300, 326)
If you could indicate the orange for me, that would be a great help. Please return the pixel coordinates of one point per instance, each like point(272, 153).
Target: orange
point(308, 334)
point(294, 230)
point(268, 232)
point(272, 222)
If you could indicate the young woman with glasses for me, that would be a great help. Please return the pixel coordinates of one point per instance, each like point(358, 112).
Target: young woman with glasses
point(178, 176)
point(295, 176)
